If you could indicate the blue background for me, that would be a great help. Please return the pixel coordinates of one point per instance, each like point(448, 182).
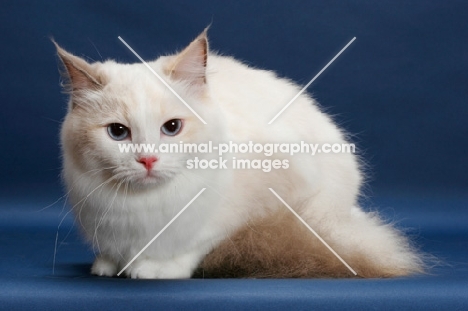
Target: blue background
point(400, 89)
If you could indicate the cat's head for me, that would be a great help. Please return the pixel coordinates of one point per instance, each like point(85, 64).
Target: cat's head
point(112, 104)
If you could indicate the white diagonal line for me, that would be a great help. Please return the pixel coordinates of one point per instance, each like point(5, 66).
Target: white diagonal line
point(160, 232)
point(313, 79)
point(162, 80)
point(313, 231)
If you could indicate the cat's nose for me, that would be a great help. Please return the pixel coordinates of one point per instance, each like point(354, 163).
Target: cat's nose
point(148, 162)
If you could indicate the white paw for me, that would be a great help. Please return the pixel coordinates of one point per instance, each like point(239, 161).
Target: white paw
point(103, 266)
point(151, 269)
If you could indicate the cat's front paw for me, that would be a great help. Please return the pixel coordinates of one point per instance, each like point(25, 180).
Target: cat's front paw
point(104, 266)
point(151, 269)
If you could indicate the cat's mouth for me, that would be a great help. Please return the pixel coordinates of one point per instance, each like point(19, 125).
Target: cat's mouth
point(150, 177)
point(140, 178)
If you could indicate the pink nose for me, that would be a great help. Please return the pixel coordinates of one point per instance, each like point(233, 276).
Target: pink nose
point(148, 162)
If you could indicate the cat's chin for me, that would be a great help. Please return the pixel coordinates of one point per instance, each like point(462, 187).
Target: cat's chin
point(145, 183)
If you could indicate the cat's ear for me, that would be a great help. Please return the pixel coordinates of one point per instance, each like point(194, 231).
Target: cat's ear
point(190, 64)
point(78, 74)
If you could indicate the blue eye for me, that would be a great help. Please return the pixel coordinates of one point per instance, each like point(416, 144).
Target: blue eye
point(172, 127)
point(118, 131)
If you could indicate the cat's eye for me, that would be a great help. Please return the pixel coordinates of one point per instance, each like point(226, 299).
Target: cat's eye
point(118, 131)
point(172, 127)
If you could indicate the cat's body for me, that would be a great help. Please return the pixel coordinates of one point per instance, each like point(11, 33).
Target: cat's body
point(122, 204)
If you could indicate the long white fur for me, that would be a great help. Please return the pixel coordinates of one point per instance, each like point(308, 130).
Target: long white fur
point(120, 211)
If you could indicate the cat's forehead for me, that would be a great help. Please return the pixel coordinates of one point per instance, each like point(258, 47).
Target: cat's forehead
point(132, 75)
point(140, 90)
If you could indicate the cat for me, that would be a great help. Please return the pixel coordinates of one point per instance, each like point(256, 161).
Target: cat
point(237, 227)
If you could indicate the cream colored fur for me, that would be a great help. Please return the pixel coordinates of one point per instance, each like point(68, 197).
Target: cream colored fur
point(120, 207)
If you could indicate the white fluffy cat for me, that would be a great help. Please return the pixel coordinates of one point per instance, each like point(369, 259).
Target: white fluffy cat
point(122, 200)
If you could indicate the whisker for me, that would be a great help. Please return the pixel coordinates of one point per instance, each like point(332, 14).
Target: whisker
point(107, 210)
point(63, 218)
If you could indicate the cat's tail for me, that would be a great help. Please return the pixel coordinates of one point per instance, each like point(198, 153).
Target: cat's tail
point(371, 247)
point(280, 246)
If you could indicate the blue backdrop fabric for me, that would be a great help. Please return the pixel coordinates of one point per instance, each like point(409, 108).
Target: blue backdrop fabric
point(401, 88)
point(30, 279)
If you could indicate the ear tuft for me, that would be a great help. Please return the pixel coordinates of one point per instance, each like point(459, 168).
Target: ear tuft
point(190, 64)
point(79, 74)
